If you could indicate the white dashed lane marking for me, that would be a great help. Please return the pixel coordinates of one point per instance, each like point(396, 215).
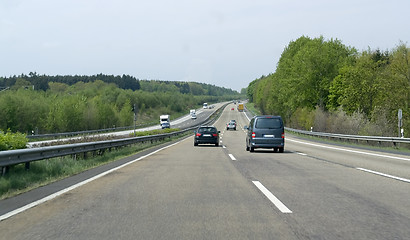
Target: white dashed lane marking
point(232, 157)
point(272, 197)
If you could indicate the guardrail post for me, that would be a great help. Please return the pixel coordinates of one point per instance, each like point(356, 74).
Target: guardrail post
point(27, 165)
point(4, 170)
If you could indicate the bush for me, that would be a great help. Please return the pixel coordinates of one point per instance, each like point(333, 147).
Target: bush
point(320, 123)
point(302, 118)
point(10, 141)
point(338, 121)
point(155, 132)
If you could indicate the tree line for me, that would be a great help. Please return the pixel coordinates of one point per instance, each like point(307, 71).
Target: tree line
point(41, 82)
point(335, 88)
point(98, 104)
point(193, 88)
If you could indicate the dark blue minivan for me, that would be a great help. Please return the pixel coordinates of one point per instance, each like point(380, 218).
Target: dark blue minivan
point(265, 132)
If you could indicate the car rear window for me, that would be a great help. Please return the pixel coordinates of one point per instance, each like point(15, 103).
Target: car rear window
point(207, 130)
point(268, 123)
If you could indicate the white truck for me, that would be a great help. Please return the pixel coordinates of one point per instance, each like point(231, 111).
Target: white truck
point(164, 121)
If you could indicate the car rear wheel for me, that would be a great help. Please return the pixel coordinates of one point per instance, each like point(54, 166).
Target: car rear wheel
point(252, 149)
point(216, 144)
point(281, 150)
point(195, 144)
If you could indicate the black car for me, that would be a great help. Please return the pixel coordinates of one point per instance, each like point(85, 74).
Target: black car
point(206, 135)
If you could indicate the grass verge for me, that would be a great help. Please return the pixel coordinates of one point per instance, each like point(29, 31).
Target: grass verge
point(251, 107)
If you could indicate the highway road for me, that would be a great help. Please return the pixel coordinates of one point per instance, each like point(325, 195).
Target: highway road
point(311, 191)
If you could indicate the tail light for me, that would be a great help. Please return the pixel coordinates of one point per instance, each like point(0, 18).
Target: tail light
point(215, 135)
point(253, 135)
point(198, 135)
point(283, 135)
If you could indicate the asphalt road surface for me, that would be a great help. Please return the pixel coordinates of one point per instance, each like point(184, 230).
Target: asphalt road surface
point(311, 191)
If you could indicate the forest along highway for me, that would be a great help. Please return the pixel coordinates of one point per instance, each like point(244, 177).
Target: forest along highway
point(311, 191)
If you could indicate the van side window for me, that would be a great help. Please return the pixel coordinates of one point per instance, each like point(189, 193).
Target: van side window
point(268, 123)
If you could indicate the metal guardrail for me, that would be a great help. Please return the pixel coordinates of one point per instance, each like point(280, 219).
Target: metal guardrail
point(19, 156)
point(69, 134)
point(393, 140)
point(4, 88)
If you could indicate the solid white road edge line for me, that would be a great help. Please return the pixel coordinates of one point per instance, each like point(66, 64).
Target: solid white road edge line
point(232, 157)
point(54, 195)
point(352, 151)
point(246, 115)
point(384, 175)
point(272, 198)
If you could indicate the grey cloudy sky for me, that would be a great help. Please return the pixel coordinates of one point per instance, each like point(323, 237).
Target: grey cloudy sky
point(227, 43)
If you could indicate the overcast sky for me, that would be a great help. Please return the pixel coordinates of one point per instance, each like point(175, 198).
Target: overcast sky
point(225, 43)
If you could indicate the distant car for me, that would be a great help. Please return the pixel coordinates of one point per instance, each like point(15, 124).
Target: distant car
point(193, 116)
point(206, 135)
point(165, 125)
point(265, 132)
point(231, 125)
